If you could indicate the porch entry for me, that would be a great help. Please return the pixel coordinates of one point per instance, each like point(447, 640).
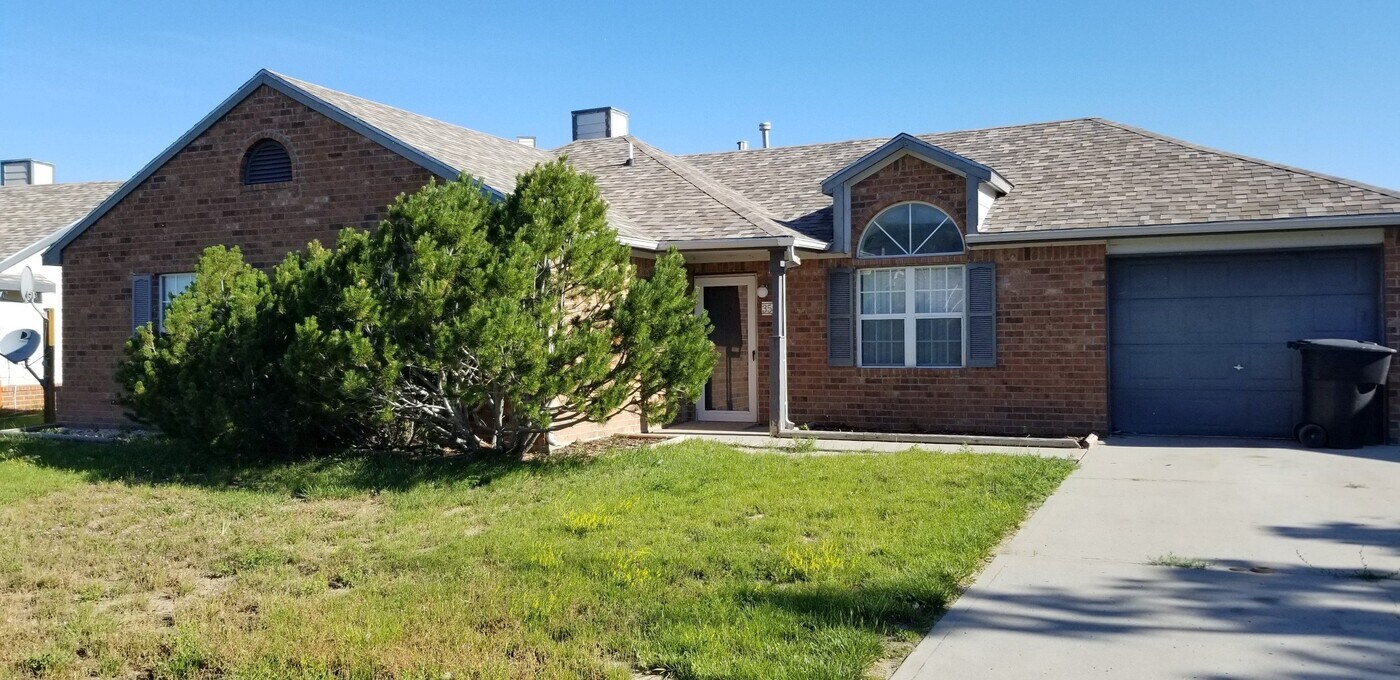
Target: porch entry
point(732, 391)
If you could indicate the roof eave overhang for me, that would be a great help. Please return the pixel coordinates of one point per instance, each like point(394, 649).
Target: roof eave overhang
point(54, 255)
point(1184, 229)
point(750, 243)
point(42, 245)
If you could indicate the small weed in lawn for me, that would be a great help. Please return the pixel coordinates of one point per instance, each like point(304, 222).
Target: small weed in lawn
point(546, 557)
point(185, 658)
point(629, 568)
point(809, 563)
point(248, 560)
point(1177, 561)
point(47, 662)
point(801, 443)
point(581, 523)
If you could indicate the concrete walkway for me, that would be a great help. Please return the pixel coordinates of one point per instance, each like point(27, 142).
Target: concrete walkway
point(1304, 549)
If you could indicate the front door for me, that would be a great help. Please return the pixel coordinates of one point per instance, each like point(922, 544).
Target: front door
point(732, 391)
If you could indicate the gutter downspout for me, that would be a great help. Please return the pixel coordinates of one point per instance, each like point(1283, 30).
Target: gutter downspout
point(779, 260)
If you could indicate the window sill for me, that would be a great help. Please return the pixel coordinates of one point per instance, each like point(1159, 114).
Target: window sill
point(911, 368)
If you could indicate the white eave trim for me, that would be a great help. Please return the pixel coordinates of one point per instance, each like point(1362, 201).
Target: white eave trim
point(740, 243)
point(1234, 227)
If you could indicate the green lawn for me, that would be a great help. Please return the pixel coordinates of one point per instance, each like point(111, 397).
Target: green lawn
point(694, 560)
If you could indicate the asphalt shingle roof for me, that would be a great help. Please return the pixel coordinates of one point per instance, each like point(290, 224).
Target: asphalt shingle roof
point(494, 159)
point(1067, 174)
point(666, 198)
point(1080, 173)
point(29, 213)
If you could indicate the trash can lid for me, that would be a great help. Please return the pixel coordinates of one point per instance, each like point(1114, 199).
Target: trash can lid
point(1338, 344)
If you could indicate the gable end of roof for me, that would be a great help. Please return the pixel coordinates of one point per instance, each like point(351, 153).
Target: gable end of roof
point(905, 142)
point(54, 255)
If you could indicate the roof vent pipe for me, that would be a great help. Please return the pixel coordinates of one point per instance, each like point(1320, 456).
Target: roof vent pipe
point(743, 145)
point(763, 129)
point(630, 159)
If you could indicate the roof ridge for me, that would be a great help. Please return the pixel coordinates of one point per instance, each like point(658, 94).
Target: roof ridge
point(1248, 159)
point(303, 84)
point(748, 210)
point(876, 139)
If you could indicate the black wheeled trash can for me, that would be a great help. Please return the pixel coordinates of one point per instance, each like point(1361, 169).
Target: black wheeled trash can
point(1343, 393)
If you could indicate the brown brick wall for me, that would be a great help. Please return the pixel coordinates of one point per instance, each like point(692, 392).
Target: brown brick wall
point(197, 200)
point(22, 397)
point(1051, 376)
point(906, 179)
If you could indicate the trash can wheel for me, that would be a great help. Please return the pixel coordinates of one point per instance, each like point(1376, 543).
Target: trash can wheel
point(1312, 435)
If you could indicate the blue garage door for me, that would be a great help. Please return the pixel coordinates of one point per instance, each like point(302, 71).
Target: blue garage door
point(1197, 342)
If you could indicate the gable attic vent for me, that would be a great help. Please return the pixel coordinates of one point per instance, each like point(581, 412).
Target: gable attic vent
point(25, 171)
point(599, 123)
point(267, 162)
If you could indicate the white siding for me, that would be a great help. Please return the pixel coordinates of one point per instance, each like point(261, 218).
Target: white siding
point(16, 315)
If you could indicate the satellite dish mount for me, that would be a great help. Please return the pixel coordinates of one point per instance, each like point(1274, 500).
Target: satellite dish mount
point(20, 345)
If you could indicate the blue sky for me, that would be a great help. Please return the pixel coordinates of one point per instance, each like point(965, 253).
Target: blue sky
point(100, 88)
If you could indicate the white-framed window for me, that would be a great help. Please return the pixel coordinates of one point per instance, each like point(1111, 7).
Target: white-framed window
point(907, 229)
point(170, 286)
point(912, 316)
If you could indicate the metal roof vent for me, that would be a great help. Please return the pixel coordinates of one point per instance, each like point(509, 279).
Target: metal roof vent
point(763, 129)
point(599, 123)
point(24, 171)
point(267, 162)
point(526, 140)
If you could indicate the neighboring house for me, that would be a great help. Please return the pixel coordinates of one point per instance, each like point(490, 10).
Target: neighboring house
point(1047, 279)
point(34, 212)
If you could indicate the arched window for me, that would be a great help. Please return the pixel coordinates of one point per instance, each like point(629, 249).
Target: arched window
point(267, 162)
point(910, 229)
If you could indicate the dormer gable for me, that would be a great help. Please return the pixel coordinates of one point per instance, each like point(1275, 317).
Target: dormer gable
point(983, 185)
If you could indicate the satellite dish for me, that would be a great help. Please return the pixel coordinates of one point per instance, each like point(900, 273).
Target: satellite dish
point(17, 346)
point(26, 285)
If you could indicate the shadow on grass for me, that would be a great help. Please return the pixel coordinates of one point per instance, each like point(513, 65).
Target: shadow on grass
point(168, 463)
point(11, 418)
point(907, 603)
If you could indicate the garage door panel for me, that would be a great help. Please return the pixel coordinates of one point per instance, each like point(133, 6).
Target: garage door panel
point(1207, 412)
point(1178, 367)
point(1198, 342)
point(1343, 316)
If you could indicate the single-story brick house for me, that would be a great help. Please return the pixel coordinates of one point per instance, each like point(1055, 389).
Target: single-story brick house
point(1049, 279)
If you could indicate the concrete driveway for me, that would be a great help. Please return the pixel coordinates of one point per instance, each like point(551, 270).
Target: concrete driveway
point(1304, 550)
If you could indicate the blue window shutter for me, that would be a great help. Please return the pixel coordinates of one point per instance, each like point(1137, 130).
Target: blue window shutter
point(840, 317)
point(140, 301)
point(981, 314)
